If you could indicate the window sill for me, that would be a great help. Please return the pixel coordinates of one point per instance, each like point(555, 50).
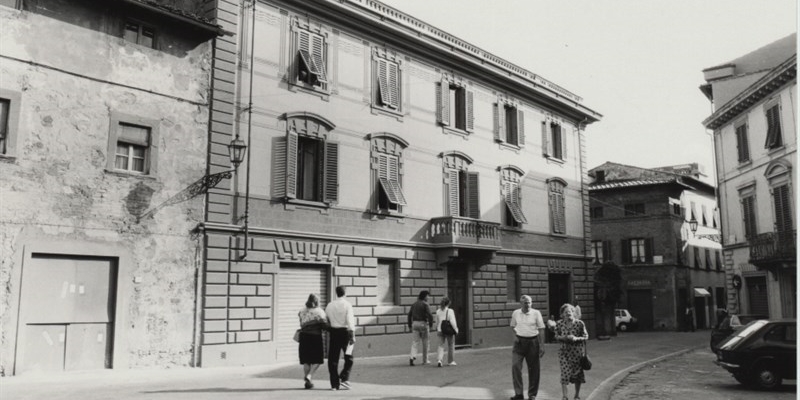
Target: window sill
point(125, 174)
point(312, 90)
point(6, 158)
point(381, 214)
point(293, 204)
point(775, 150)
point(744, 164)
point(461, 132)
point(387, 111)
point(555, 160)
point(508, 146)
point(558, 235)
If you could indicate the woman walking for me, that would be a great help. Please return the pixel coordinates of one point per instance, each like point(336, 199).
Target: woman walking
point(571, 332)
point(445, 313)
point(312, 321)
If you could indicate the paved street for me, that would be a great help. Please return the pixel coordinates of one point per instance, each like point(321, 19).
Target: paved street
point(480, 374)
point(691, 376)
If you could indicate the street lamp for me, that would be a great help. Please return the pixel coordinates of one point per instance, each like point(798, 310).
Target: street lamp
point(713, 237)
point(693, 225)
point(236, 151)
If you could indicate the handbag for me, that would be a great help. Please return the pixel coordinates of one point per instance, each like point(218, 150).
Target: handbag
point(447, 327)
point(297, 336)
point(586, 363)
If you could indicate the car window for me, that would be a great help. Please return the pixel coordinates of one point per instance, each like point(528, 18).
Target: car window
point(776, 334)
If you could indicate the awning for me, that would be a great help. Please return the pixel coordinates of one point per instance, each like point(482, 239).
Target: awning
point(700, 292)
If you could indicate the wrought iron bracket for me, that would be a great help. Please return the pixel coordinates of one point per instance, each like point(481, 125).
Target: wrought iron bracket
point(200, 186)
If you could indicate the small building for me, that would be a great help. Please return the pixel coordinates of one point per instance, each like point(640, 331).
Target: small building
point(105, 115)
point(642, 220)
point(755, 145)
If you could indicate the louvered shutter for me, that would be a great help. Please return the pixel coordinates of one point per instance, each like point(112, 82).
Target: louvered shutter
point(564, 143)
point(473, 194)
point(520, 128)
point(388, 177)
point(443, 102)
point(648, 250)
point(561, 211)
point(331, 173)
point(383, 82)
point(773, 128)
point(545, 139)
point(783, 211)
point(704, 210)
point(607, 251)
point(748, 215)
point(517, 204)
point(470, 122)
point(279, 167)
point(393, 84)
point(318, 54)
point(626, 251)
point(291, 165)
point(742, 143)
point(452, 193)
point(499, 122)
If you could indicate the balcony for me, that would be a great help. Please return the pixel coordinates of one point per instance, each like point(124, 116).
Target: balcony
point(464, 232)
point(773, 247)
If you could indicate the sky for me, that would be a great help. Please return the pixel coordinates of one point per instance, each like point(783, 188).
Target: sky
point(638, 63)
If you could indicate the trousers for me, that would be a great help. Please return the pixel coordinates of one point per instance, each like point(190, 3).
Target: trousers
point(339, 339)
point(419, 332)
point(525, 349)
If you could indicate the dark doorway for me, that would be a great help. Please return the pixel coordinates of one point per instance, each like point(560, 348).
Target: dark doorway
point(640, 305)
point(457, 292)
point(557, 295)
point(700, 303)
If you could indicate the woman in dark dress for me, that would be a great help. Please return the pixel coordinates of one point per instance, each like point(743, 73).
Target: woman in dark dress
point(312, 321)
point(571, 332)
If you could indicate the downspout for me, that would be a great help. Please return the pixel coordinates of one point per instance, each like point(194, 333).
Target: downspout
point(246, 215)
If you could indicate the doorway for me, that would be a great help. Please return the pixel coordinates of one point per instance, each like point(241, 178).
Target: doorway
point(557, 295)
point(457, 292)
point(640, 305)
point(295, 282)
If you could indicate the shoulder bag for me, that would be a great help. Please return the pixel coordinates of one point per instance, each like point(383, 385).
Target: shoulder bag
point(586, 363)
point(447, 327)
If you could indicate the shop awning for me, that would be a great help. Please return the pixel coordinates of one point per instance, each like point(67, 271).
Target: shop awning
point(700, 292)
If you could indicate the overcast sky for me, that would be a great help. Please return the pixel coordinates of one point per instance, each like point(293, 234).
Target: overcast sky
point(637, 62)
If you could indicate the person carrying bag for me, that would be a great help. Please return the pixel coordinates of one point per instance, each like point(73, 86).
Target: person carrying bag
point(448, 329)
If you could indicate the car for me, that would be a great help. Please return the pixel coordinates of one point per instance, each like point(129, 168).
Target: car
point(730, 324)
point(762, 353)
point(624, 321)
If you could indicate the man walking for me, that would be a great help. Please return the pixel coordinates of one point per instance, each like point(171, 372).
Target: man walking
point(420, 320)
point(528, 328)
point(342, 333)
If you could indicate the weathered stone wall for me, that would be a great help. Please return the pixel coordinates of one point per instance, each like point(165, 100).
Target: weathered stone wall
point(56, 185)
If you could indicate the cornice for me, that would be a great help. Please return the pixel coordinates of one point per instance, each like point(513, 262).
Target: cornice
point(756, 92)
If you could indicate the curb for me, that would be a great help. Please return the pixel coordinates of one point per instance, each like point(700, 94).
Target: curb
point(604, 389)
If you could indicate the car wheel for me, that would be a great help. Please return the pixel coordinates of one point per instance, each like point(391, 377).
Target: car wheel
point(622, 327)
point(766, 377)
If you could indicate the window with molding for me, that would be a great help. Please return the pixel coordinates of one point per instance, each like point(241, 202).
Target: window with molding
point(554, 140)
point(637, 251)
point(306, 161)
point(387, 82)
point(509, 123)
point(387, 172)
point(461, 186)
point(513, 283)
point(139, 33)
point(131, 145)
point(779, 176)
point(774, 133)
point(747, 200)
point(388, 283)
point(742, 142)
point(9, 120)
point(310, 49)
point(558, 220)
point(454, 106)
point(511, 190)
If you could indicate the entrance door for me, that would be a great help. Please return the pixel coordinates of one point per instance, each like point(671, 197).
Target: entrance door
point(295, 283)
point(67, 308)
point(557, 295)
point(640, 305)
point(757, 295)
point(457, 292)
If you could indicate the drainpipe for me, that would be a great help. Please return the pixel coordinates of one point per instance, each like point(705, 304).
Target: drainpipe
point(246, 215)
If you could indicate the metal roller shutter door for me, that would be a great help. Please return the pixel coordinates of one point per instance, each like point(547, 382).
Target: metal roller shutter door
point(295, 282)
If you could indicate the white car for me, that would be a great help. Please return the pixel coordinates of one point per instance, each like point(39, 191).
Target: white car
point(624, 320)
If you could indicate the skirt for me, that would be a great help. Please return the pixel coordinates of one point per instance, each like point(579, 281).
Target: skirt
point(310, 349)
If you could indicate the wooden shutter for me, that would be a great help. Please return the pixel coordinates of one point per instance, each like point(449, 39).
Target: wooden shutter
point(383, 82)
point(470, 116)
point(545, 139)
point(394, 84)
point(291, 165)
point(560, 210)
point(520, 128)
point(499, 122)
point(331, 173)
point(512, 200)
point(563, 143)
point(473, 195)
point(626, 251)
point(783, 210)
point(773, 127)
point(318, 54)
point(279, 167)
point(743, 147)
point(388, 177)
point(443, 102)
point(452, 193)
point(748, 216)
point(607, 251)
point(704, 210)
point(648, 250)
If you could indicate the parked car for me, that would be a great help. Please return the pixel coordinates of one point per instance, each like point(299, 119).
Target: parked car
point(732, 323)
point(624, 320)
point(762, 353)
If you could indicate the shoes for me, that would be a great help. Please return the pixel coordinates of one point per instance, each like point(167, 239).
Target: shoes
point(452, 364)
point(309, 385)
point(334, 388)
point(517, 397)
point(344, 385)
point(411, 361)
point(426, 362)
point(439, 363)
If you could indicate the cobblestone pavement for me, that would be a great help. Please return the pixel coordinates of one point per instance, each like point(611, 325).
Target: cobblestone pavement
point(691, 376)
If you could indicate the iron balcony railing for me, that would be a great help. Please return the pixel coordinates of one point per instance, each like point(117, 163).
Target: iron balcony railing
point(463, 231)
point(773, 247)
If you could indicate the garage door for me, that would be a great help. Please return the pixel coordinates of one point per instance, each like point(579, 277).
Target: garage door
point(295, 282)
point(66, 314)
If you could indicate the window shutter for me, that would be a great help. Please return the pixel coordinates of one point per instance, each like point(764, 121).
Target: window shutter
point(291, 165)
point(704, 210)
point(607, 251)
point(648, 250)
point(626, 252)
point(443, 102)
point(452, 193)
point(783, 211)
point(470, 114)
point(743, 145)
point(331, 179)
point(748, 216)
point(563, 143)
point(318, 54)
point(499, 121)
point(388, 177)
point(512, 200)
point(383, 82)
point(394, 84)
point(562, 217)
point(545, 139)
point(473, 193)
point(773, 127)
point(279, 167)
point(520, 128)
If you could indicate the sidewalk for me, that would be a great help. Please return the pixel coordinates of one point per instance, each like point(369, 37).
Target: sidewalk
point(480, 374)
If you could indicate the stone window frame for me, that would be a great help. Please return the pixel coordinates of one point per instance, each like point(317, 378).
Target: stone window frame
point(297, 28)
point(748, 202)
point(455, 169)
point(554, 131)
point(444, 109)
point(511, 192)
point(741, 130)
point(114, 134)
point(384, 145)
point(556, 194)
point(503, 127)
point(12, 133)
point(779, 176)
point(377, 105)
point(394, 281)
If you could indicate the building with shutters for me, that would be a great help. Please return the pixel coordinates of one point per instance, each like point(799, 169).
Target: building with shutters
point(390, 157)
point(754, 126)
point(641, 221)
point(103, 118)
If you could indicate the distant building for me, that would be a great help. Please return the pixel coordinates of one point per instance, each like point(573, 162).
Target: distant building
point(390, 157)
point(104, 116)
point(641, 221)
point(755, 143)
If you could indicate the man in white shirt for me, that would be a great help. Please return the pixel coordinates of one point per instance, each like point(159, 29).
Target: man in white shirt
point(342, 333)
point(528, 327)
